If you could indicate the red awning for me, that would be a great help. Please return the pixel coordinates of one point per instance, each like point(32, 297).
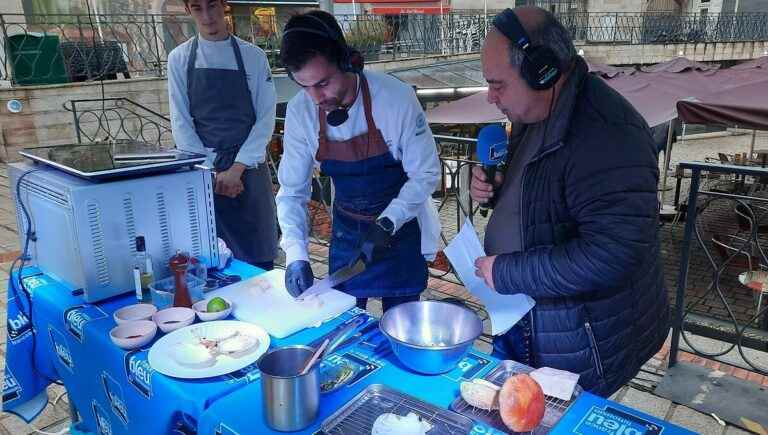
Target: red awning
point(655, 95)
point(397, 10)
point(473, 109)
point(677, 65)
point(743, 106)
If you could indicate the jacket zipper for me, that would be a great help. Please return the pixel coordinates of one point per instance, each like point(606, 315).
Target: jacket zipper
point(529, 350)
point(522, 219)
point(530, 340)
point(595, 352)
point(522, 188)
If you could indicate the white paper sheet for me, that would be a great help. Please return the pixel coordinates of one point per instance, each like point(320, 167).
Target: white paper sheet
point(504, 310)
point(556, 383)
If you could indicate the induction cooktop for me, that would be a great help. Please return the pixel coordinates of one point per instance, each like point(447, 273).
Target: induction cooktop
point(113, 159)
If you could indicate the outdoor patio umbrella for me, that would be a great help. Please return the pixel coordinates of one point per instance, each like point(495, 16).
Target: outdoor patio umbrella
point(744, 106)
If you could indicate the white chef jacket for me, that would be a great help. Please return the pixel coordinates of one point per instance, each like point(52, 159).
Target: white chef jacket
point(401, 120)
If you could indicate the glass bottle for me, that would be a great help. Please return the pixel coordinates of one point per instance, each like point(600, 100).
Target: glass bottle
point(143, 268)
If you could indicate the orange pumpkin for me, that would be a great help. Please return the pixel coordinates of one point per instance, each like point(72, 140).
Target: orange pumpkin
point(521, 403)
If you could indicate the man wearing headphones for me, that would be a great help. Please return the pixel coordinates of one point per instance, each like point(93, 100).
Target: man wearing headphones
point(368, 132)
point(222, 102)
point(576, 212)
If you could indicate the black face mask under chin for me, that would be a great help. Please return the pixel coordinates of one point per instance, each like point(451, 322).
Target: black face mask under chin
point(338, 116)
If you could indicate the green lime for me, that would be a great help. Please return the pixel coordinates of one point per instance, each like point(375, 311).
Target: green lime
point(217, 304)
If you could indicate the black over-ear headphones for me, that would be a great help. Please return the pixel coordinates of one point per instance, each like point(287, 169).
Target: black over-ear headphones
point(540, 67)
point(350, 60)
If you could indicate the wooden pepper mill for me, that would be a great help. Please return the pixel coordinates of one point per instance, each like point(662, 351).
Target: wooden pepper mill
point(179, 264)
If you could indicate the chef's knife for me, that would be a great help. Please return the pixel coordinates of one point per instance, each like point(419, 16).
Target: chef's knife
point(358, 336)
point(329, 282)
point(319, 340)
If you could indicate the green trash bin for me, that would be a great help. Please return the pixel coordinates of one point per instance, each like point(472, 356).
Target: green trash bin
point(35, 59)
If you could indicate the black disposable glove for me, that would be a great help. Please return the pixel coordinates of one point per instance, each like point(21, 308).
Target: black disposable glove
point(379, 238)
point(298, 277)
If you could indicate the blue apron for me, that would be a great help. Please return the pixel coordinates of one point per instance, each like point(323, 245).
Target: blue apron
point(366, 178)
point(222, 110)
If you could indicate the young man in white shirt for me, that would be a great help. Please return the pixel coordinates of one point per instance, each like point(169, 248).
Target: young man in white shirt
point(222, 102)
point(368, 132)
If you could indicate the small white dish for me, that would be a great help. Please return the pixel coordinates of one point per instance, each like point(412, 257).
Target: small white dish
point(205, 316)
point(132, 335)
point(171, 319)
point(132, 313)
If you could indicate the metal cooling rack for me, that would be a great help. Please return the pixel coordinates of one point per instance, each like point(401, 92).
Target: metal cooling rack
point(555, 408)
point(358, 416)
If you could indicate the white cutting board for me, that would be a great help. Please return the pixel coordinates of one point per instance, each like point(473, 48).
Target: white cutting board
point(263, 300)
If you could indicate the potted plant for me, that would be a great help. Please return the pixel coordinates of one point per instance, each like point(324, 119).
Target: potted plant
point(367, 37)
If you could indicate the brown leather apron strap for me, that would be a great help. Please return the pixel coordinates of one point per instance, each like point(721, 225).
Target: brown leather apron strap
point(372, 129)
point(373, 135)
point(322, 137)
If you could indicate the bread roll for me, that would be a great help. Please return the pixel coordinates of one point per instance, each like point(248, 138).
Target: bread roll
point(480, 394)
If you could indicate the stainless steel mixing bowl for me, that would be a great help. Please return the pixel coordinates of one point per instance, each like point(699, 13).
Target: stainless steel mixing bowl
point(430, 337)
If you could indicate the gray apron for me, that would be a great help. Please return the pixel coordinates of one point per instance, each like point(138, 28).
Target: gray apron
point(222, 110)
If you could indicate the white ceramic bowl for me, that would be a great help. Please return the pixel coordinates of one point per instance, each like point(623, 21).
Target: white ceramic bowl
point(132, 335)
point(205, 316)
point(134, 312)
point(171, 319)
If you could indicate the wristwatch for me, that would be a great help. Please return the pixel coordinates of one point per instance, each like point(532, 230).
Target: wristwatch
point(386, 225)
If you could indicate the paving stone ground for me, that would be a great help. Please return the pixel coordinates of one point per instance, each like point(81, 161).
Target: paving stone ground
point(637, 394)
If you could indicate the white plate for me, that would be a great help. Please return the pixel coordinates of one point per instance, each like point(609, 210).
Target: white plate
point(758, 277)
point(161, 353)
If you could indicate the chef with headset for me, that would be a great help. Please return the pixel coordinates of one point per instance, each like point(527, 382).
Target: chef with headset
point(368, 132)
point(575, 225)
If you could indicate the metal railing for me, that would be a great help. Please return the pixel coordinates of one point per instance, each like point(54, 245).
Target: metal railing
point(118, 119)
point(40, 49)
point(665, 27)
point(56, 48)
point(742, 252)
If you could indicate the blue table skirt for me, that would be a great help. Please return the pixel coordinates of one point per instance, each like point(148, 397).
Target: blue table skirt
point(114, 391)
point(117, 392)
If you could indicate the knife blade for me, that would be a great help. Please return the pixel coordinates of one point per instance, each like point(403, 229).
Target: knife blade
point(358, 336)
point(329, 282)
point(316, 342)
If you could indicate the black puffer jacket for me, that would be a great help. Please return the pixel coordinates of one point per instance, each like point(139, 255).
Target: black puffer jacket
point(591, 256)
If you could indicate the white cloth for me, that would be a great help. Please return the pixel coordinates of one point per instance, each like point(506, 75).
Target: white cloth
point(400, 118)
point(556, 383)
point(219, 55)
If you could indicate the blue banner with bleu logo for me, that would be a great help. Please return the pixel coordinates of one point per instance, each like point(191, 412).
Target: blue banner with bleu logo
point(593, 415)
point(24, 387)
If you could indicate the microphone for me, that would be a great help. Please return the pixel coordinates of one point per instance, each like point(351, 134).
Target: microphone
point(337, 116)
point(491, 150)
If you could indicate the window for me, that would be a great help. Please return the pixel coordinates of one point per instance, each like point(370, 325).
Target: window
point(47, 7)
